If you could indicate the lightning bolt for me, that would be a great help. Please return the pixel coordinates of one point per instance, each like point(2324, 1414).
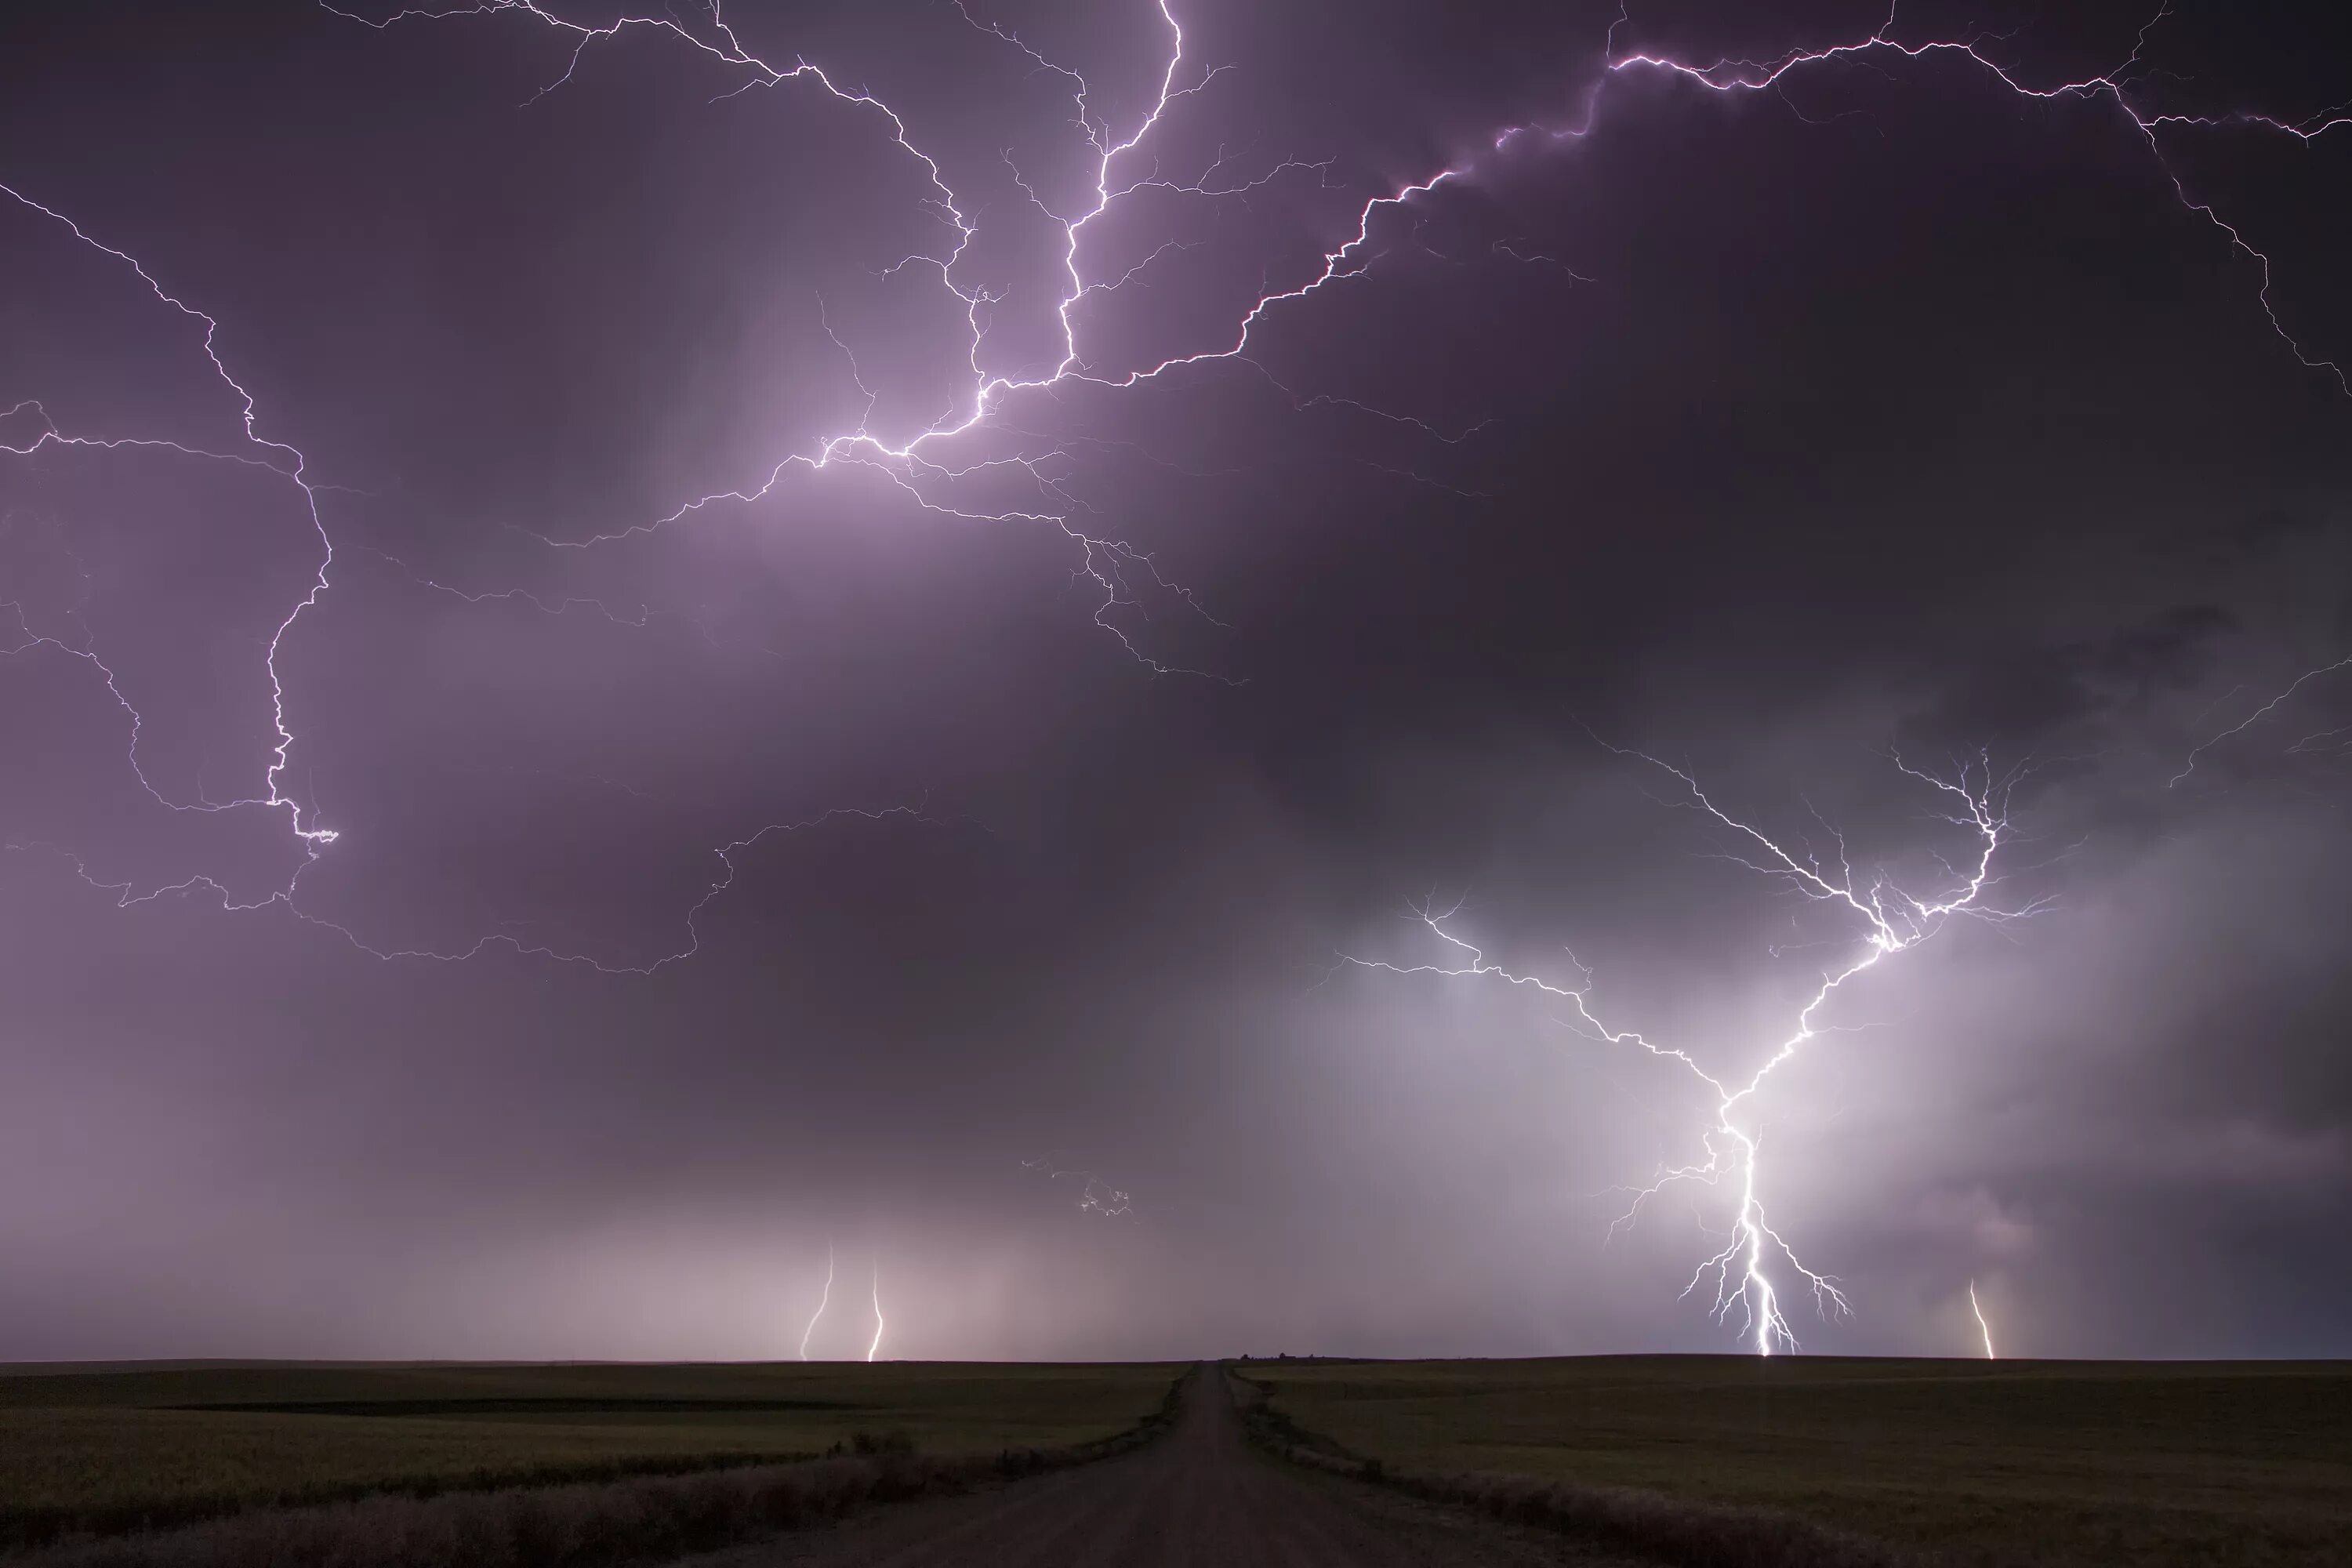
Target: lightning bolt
point(2113, 86)
point(1096, 1196)
point(1982, 1327)
point(1887, 921)
point(262, 452)
point(2309, 743)
point(924, 467)
point(1118, 571)
point(876, 1345)
point(822, 1296)
point(278, 457)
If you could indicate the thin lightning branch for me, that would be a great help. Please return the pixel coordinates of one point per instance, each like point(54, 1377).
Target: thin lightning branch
point(1350, 259)
point(1887, 919)
point(1096, 1196)
point(128, 895)
point(643, 618)
point(2113, 86)
point(878, 1325)
point(281, 459)
point(1120, 577)
point(276, 455)
point(822, 1296)
point(1982, 1327)
point(2265, 711)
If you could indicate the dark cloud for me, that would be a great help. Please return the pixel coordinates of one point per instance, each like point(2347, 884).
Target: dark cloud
point(1765, 434)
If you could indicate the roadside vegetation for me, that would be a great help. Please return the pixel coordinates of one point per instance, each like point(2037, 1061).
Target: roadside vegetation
point(111, 1451)
point(2244, 1465)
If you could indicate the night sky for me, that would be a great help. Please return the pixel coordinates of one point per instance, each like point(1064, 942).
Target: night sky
point(1898, 408)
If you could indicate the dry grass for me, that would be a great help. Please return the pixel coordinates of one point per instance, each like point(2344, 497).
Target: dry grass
point(2053, 1462)
point(580, 1525)
point(116, 1449)
point(1651, 1525)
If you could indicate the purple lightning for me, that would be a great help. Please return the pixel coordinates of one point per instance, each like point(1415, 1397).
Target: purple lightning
point(275, 456)
point(2308, 743)
point(1752, 76)
point(1983, 1327)
point(874, 1347)
point(823, 1295)
point(1889, 920)
point(921, 467)
point(1118, 571)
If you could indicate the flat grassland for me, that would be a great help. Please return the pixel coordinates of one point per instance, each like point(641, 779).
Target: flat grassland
point(130, 1446)
point(2051, 1461)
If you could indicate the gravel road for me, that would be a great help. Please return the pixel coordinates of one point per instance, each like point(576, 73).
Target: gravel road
point(1198, 1496)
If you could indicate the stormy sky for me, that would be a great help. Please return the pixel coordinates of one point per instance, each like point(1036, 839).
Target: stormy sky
point(1890, 409)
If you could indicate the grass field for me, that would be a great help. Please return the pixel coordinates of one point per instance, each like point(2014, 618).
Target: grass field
point(122, 1447)
point(2241, 1463)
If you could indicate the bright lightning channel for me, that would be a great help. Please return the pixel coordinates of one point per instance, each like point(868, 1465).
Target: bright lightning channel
point(1120, 572)
point(1982, 1327)
point(1890, 920)
point(872, 1349)
point(822, 1296)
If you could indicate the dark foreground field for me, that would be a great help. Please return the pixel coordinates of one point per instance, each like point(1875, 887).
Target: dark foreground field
point(2037, 1462)
point(1198, 1498)
point(106, 1449)
point(1701, 1462)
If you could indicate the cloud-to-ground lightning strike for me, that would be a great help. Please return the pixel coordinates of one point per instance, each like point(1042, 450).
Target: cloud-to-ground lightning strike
point(873, 1347)
point(1890, 920)
point(921, 467)
point(1983, 1327)
point(823, 1295)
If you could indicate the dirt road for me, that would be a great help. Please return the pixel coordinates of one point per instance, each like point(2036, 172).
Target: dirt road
point(1198, 1496)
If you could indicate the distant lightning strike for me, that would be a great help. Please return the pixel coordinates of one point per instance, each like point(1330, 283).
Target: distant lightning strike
point(1890, 920)
point(1983, 1327)
point(1118, 571)
point(822, 1296)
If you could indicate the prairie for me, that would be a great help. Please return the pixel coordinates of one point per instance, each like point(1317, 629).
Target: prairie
point(119, 1448)
point(2247, 1463)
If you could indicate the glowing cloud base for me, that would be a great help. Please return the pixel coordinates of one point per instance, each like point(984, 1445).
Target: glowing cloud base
point(1889, 922)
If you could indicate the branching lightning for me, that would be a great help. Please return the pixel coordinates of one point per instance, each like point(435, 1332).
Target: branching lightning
point(874, 1346)
point(925, 469)
point(281, 459)
point(263, 452)
point(2114, 86)
point(1888, 921)
point(1096, 1196)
